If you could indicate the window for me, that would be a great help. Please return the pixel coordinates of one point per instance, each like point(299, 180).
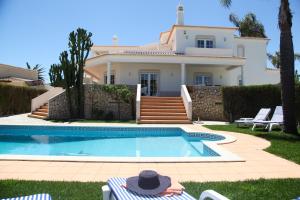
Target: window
point(209, 44)
point(202, 43)
point(112, 79)
point(240, 51)
point(203, 79)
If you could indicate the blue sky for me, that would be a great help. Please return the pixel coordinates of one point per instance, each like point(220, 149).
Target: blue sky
point(36, 31)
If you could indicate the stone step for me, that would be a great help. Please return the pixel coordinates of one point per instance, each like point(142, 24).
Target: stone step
point(161, 103)
point(159, 113)
point(160, 98)
point(161, 107)
point(163, 100)
point(37, 116)
point(164, 122)
point(164, 118)
point(42, 110)
point(40, 113)
point(182, 110)
point(44, 107)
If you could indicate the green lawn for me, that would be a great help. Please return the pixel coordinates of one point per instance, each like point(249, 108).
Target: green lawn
point(282, 144)
point(260, 189)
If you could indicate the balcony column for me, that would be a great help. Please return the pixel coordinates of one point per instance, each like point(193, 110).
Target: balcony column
point(108, 73)
point(183, 74)
point(242, 75)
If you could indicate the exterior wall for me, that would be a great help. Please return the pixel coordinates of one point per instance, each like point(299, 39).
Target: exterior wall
point(219, 74)
point(223, 37)
point(129, 74)
point(255, 69)
point(207, 103)
point(169, 75)
point(11, 71)
point(97, 105)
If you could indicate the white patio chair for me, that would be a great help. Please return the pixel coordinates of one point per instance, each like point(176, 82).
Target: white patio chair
point(34, 197)
point(276, 120)
point(260, 116)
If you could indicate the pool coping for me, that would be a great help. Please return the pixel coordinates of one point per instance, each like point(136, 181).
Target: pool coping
point(224, 155)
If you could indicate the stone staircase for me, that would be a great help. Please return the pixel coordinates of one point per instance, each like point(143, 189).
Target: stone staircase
point(41, 112)
point(163, 110)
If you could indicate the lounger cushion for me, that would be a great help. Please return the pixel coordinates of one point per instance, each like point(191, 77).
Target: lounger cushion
point(122, 193)
point(32, 197)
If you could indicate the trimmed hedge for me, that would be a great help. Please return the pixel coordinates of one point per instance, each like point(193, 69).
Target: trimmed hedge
point(246, 101)
point(15, 99)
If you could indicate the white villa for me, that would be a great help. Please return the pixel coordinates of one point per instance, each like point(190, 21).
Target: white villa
point(184, 55)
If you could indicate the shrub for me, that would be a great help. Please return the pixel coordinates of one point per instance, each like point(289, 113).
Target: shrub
point(246, 101)
point(15, 100)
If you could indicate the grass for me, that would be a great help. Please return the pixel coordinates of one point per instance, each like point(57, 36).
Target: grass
point(258, 189)
point(284, 145)
point(93, 121)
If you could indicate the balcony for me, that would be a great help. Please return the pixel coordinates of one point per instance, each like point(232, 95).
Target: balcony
point(221, 52)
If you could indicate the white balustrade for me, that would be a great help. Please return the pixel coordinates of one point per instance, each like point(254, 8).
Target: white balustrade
point(187, 101)
point(44, 98)
point(138, 102)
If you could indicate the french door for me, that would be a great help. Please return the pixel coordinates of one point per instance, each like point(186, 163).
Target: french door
point(149, 83)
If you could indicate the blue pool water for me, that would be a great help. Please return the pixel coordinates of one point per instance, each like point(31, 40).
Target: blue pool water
point(104, 141)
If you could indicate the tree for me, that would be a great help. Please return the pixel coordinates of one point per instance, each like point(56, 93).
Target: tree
point(39, 69)
point(275, 58)
point(79, 44)
point(249, 26)
point(287, 67)
point(56, 76)
point(287, 64)
point(69, 72)
point(71, 64)
point(226, 3)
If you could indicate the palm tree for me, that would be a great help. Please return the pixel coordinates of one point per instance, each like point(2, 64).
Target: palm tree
point(226, 3)
point(249, 26)
point(275, 58)
point(287, 67)
point(287, 63)
point(39, 69)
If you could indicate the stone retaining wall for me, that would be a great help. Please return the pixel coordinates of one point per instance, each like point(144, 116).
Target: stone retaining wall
point(98, 104)
point(207, 102)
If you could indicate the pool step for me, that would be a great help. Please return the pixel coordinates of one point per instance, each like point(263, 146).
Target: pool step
point(163, 110)
point(40, 113)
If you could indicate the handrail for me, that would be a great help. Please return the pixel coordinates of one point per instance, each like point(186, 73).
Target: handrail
point(187, 101)
point(44, 98)
point(138, 102)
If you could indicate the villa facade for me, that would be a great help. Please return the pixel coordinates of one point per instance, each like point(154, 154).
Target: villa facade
point(200, 57)
point(184, 55)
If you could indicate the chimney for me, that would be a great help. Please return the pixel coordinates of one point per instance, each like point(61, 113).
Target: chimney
point(115, 40)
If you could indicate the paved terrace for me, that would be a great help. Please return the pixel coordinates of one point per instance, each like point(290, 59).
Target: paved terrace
point(259, 164)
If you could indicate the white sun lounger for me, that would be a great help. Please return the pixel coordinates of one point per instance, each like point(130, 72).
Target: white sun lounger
point(115, 191)
point(32, 197)
point(277, 120)
point(261, 116)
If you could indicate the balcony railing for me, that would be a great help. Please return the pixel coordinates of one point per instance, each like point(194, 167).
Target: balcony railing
point(192, 51)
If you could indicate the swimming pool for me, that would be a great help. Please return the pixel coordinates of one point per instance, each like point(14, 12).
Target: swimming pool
point(105, 142)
